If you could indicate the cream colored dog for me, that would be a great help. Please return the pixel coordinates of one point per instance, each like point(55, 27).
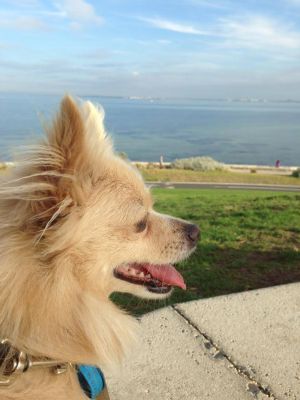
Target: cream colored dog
point(76, 224)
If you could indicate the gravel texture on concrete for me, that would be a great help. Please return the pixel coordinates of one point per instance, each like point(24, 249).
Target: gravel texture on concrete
point(259, 331)
point(237, 347)
point(174, 361)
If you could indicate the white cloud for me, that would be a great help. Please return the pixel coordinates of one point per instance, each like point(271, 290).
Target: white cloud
point(79, 12)
point(23, 23)
point(32, 15)
point(259, 32)
point(173, 26)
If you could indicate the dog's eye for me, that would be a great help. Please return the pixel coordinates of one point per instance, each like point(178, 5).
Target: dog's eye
point(141, 226)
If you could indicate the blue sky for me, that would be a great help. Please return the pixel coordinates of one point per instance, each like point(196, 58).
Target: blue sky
point(170, 48)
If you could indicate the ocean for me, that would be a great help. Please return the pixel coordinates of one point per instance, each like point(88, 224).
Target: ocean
point(229, 131)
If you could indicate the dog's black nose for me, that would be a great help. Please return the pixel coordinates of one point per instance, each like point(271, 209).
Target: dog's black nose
point(193, 233)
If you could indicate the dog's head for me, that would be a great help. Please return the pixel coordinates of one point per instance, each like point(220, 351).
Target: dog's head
point(94, 213)
point(87, 218)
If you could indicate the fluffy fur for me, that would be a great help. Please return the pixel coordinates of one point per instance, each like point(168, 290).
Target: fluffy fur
point(68, 217)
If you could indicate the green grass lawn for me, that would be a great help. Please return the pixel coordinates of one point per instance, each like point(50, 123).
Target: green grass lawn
point(250, 239)
point(181, 175)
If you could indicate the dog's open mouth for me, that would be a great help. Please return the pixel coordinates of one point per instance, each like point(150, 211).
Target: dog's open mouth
point(156, 278)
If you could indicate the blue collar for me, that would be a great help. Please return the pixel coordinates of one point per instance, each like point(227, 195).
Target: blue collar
point(91, 380)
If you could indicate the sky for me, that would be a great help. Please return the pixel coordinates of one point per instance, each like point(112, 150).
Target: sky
point(151, 48)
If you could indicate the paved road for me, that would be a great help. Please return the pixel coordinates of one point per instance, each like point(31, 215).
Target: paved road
point(234, 186)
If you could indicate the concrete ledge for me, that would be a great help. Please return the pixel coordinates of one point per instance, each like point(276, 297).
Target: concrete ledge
point(244, 168)
point(235, 347)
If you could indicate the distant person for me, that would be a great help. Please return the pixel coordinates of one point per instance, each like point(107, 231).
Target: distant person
point(161, 162)
point(277, 164)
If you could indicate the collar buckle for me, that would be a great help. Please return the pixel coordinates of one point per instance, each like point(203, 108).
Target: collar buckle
point(12, 362)
point(17, 362)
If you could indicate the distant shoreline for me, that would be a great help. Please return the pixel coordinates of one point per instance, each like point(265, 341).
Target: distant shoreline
point(282, 170)
point(243, 99)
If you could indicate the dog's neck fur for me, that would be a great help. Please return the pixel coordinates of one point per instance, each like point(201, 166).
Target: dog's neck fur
point(69, 325)
point(46, 312)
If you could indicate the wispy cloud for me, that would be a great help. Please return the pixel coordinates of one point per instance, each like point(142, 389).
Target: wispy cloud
point(259, 32)
point(173, 26)
point(243, 31)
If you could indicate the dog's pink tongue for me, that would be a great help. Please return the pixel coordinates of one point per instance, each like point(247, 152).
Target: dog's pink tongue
point(166, 274)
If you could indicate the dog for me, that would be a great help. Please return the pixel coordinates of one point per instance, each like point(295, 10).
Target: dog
point(77, 224)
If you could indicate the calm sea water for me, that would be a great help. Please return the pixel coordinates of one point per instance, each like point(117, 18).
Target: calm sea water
point(244, 133)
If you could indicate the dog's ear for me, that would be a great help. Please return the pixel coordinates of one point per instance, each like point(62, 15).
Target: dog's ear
point(78, 134)
point(68, 164)
point(59, 173)
point(66, 135)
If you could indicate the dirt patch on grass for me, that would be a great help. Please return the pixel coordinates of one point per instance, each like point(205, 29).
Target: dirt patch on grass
point(217, 271)
point(258, 269)
point(281, 276)
point(253, 279)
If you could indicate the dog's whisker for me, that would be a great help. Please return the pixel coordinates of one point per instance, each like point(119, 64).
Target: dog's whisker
point(63, 206)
